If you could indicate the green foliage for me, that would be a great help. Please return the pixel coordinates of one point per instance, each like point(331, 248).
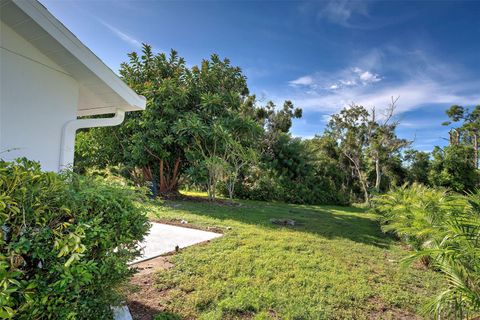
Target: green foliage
point(193, 116)
point(444, 229)
point(368, 144)
point(416, 213)
point(64, 243)
point(288, 172)
point(202, 128)
point(418, 166)
point(453, 167)
point(276, 121)
point(467, 133)
point(219, 139)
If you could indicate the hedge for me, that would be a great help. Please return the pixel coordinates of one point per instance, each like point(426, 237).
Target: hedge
point(65, 241)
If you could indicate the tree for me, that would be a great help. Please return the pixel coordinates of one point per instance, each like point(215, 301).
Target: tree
point(384, 143)
point(146, 140)
point(186, 109)
point(239, 156)
point(351, 129)
point(452, 167)
point(469, 129)
point(363, 138)
point(153, 144)
point(418, 166)
point(224, 122)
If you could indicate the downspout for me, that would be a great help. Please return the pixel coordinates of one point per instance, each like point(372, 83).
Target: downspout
point(67, 147)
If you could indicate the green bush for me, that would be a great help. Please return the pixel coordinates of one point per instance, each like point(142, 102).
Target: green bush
point(444, 229)
point(65, 242)
point(453, 167)
point(416, 213)
point(265, 184)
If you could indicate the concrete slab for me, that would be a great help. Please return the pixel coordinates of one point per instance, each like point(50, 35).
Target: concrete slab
point(163, 238)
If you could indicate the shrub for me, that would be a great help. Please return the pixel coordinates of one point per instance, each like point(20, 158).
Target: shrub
point(416, 213)
point(457, 257)
point(64, 244)
point(454, 167)
point(266, 185)
point(444, 229)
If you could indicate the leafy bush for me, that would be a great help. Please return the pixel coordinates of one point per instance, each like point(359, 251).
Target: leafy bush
point(263, 184)
point(290, 173)
point(416, 213)
point(64, 243)
point(453, 167)
point(256, 183)
point(444, 229)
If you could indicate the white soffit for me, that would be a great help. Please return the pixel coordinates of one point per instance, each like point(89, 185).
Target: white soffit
point(101, 90)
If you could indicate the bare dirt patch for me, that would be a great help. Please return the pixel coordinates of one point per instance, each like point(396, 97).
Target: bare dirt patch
point(144, 297)
point(382, 311)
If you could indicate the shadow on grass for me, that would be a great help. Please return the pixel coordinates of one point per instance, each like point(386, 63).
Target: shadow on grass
point(167, 316)
point(327, 221)
point(141, 311)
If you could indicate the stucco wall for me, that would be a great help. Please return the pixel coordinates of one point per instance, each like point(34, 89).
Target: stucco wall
point(37, 97)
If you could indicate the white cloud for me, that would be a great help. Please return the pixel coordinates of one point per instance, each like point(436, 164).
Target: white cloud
point(302, 81)
point(342, 11)
point(412, 95)
point(347, 83)
point(349, 77)
point(122, 35)
point(368, 77)
point(418, 77)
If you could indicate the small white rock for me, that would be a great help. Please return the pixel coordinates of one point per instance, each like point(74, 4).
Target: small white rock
point(121, 313)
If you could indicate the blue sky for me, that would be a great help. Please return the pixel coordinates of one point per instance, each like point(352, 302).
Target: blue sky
point(321, 55)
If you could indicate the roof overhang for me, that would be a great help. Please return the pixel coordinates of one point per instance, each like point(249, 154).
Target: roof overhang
point(101, 90)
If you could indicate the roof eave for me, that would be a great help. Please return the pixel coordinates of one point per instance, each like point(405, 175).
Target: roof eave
point(72, 44)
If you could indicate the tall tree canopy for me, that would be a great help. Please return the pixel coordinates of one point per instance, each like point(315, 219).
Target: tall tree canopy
point(189, 113)
point(365, 140)
point(468, 131)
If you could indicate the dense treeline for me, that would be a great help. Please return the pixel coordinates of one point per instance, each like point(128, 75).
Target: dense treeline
point(203, 129)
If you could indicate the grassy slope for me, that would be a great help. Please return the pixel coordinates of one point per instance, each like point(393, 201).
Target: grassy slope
point(335, 264)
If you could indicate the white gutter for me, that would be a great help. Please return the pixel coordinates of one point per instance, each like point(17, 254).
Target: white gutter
point(67, 147)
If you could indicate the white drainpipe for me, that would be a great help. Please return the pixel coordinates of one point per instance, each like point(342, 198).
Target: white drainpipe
point(70, 128)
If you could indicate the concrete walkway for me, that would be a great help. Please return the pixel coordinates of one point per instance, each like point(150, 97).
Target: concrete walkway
point(163, 238)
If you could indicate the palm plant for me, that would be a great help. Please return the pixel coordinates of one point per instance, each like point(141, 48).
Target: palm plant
point(457, 257)
point(416, 213)
point(443, 229)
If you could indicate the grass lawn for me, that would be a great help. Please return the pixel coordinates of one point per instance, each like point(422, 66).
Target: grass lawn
point(335, 264)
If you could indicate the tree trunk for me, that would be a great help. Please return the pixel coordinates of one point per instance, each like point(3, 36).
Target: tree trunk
point(147, 173)
point(361, 177)
point(365, 191)
point(475, 147)
point(174, 179)
point(378, 173)
point(169, 183)
point(163, 186)
point(231, 186)
point(230, 191)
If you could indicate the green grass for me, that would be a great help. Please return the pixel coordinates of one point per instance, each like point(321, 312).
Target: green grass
point(336, 264)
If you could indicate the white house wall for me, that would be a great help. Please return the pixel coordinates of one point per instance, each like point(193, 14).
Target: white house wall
point(37, 97)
